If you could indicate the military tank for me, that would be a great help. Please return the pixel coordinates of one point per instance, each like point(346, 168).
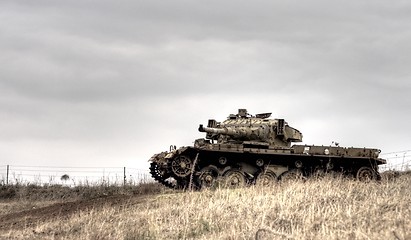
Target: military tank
point(246, 149)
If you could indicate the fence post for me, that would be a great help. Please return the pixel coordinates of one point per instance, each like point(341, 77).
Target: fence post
point(403, 161)
point(7, 175)
point(124, 176)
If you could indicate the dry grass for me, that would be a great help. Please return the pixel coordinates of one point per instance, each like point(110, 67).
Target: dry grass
point(18, 197)
point(316, 209)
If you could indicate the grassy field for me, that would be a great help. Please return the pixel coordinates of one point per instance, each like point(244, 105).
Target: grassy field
point(330, 208)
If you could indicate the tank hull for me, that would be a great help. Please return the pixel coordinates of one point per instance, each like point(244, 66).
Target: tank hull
point(207, 164)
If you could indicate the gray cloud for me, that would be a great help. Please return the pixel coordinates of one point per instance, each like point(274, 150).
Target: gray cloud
point(99, 79)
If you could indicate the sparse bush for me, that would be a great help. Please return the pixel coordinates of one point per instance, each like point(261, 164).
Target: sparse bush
point(7, 191)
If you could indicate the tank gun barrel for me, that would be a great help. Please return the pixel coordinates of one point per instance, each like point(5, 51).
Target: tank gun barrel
point(256, 133)
point(225, 131)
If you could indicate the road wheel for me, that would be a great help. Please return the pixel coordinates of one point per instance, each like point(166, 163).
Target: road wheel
point(292, 175)
point(209, 177)
point(234, 179)
point(266, 178)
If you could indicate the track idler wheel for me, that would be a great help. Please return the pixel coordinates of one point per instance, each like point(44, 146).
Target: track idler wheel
point(366, 174)
point(266, 178)
point(181, 166)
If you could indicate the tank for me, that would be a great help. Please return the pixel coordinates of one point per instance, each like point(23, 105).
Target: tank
point(246, 149)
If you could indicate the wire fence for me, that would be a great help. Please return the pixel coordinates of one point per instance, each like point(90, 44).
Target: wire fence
point(398, 161)
point(13, 174)
point(66, 175)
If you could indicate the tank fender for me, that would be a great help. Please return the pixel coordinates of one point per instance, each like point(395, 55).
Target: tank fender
point(188, 151)
point(175, 152)
point(181, 150)
point(157, 156)
point(170, 155)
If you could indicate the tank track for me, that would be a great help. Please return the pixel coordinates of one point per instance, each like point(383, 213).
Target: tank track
point(160, 175)
point(156, 173)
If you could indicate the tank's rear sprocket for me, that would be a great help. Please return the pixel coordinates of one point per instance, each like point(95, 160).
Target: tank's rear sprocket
point(161, 175)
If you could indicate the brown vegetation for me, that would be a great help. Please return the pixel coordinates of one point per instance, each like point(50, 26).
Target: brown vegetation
point(330, 208)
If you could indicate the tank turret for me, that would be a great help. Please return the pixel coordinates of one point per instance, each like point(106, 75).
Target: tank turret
point(244, 127)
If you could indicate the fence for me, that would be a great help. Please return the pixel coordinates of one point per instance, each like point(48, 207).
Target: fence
point(11, 174)
point(400, 161)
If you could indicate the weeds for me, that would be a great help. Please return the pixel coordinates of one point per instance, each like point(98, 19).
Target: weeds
point(327, 208)
point(34, 192)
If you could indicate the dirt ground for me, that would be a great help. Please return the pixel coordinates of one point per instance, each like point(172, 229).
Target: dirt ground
point(62, 210)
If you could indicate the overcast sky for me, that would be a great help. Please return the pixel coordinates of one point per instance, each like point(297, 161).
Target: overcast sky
point(110, 83)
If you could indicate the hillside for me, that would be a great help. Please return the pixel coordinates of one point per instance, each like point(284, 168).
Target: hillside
point(331, 208)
